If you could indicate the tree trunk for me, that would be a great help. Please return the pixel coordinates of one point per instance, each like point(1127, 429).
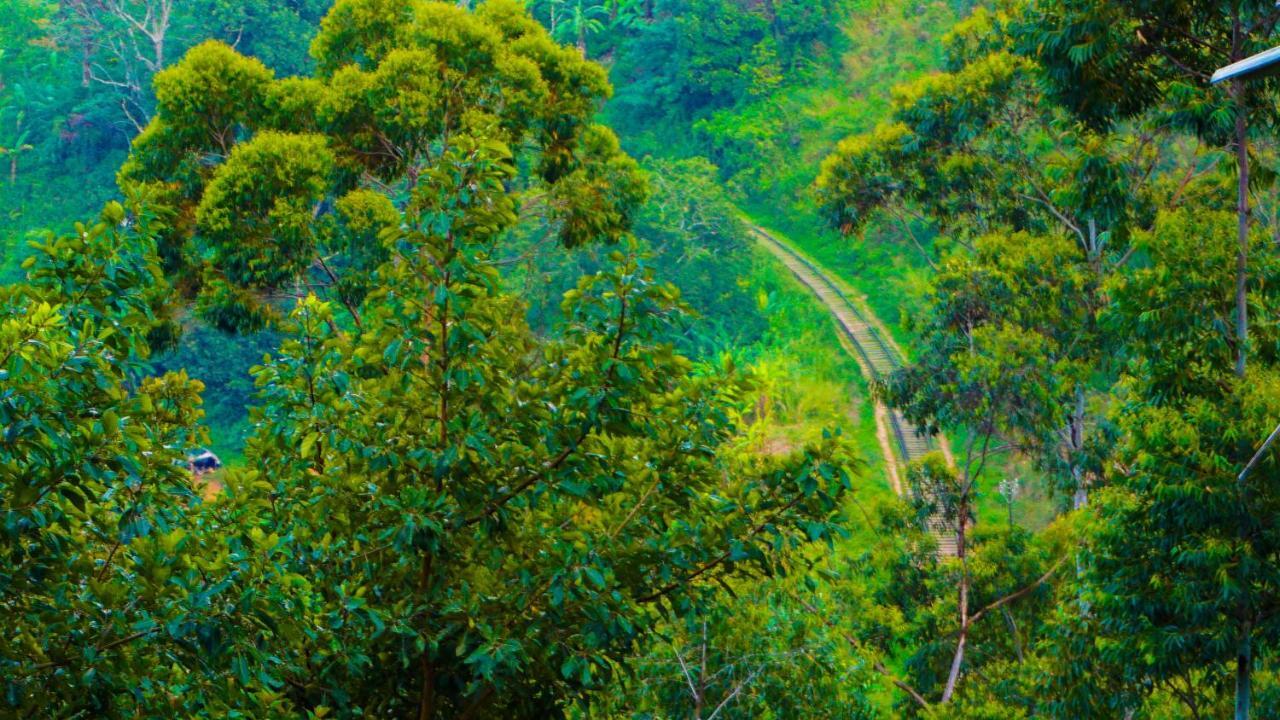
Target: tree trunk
point(1013, 633)
point(1244, 675)
point(699, 699)
point(86, 60)
point(427, 693)
point(1244, 653)
point(771, 13)
point(957, 660)
point(13, 151)
point(1081, 497)
point(1242, 232)
point(1238, 93)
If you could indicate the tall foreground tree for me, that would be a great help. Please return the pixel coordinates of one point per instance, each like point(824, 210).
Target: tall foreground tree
point(1067, 203)
point(1108, 61)
point(446, 515)
point(1186, 545)
point(486, 522)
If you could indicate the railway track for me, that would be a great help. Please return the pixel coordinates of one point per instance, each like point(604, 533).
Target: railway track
point(879, 358)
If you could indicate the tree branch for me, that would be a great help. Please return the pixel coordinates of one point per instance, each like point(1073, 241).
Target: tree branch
point(555, 462)
point(737, 689)
point(667, 589)
point(1018, 594)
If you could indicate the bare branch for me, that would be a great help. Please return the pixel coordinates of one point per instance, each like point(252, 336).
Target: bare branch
point(737, 689)
point(684, 668)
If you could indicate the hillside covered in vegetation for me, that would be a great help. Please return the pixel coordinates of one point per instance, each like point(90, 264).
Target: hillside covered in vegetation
point(641, 359)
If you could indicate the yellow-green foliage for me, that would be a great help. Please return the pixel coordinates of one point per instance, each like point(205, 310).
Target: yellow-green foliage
point(258, 211)
point(861, 173)
point(367, 211)
point(242, 162)
point(204, 103)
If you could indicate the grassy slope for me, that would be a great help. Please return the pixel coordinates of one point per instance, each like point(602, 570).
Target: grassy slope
point(846, 90)
point(1032, 507)
point(809, 381)
point(886, 43)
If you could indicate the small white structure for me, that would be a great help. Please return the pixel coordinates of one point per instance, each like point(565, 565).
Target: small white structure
point(202, 461)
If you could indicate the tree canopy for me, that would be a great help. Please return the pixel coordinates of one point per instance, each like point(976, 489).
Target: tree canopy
point(431, 359)
point(442, 513)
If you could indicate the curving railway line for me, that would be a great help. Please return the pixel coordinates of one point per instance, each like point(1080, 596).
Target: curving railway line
point(878, 358)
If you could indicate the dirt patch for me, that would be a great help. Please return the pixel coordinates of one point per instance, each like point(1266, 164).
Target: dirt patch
point(777, 447)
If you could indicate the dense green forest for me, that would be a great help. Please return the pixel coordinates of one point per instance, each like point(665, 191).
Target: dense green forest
point(490, 311)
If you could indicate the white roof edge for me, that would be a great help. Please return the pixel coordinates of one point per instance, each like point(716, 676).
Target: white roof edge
point(1248, 66)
